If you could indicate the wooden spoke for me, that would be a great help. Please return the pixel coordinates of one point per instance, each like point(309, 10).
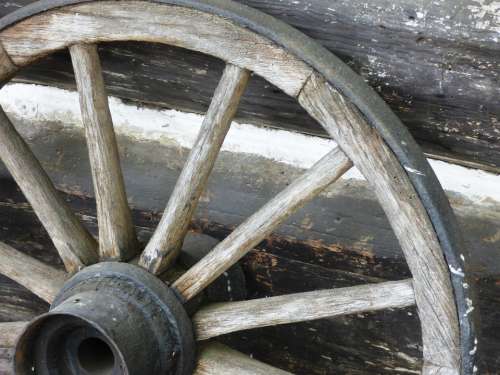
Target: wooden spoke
point(117, 238)
point(166, 242)
point(76, 246)
point(262, 223)
point(43, 280)
point(222, 318)
point(9, 332)
point(278, 60)
point(217, 359)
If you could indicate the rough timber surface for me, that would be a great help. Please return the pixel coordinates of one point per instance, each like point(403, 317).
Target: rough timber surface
point(340, 239)
point(437, 103)
point(436, 62)
point(385, 342)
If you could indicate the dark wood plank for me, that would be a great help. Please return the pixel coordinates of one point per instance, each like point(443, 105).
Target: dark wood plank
point(386, 342)
point(338, 240)
point(438, 72)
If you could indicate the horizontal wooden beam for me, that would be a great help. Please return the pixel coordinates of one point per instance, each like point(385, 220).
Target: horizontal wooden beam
point(117, 237)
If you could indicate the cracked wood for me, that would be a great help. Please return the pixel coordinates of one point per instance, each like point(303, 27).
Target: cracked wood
point(222, 318)
point(117, 237)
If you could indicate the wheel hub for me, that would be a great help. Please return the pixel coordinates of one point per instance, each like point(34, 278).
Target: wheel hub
point(110, 318)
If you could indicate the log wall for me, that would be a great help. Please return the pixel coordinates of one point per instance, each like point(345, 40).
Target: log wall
point(436, 63)
point(340, 239)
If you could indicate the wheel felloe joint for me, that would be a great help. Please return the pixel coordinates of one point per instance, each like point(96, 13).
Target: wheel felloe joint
point(111, 318)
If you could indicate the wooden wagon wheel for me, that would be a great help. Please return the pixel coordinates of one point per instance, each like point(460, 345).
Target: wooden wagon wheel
point(90, 305)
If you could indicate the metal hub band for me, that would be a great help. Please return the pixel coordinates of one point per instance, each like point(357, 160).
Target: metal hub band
point(111, 318)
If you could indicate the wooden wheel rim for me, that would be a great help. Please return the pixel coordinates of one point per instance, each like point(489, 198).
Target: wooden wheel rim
point(321, 77)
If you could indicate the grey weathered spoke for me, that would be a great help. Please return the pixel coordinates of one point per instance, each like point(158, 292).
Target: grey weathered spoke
point(9, 332)
point(217, 359)
point(261, 224)
point(75, 245)
point(43, 280)
point(117, 237)
point(166, 242)
point(222, 318)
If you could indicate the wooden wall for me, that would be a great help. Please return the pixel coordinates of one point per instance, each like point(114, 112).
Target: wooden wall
point(437, 63)
point(342, 238)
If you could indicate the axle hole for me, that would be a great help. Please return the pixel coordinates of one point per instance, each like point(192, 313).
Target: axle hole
point(96, 357)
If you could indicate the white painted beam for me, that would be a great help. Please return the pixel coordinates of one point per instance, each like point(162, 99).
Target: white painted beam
point(40, 103)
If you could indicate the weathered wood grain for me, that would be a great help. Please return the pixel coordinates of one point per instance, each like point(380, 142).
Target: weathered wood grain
point(447, 364)
point(217, 359)
point(9, 332)
point(222, 318)
point(7, 67)
point(43, 280)
point(332, 336)
point(340, 239)
point(178, 26)
point(166, 243)
point(76, 246)
point(346, 216)
point(261, 224)
point(408, 218)
point(6, 360)
point(117, 237)
point(18, 303)
point(385, 343)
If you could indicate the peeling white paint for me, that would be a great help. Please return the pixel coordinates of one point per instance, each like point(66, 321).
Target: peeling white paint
point(456, 271)
point(43, 104)
point(414, 171)
point(473, 351)
point(468, 311)
point(470, 307)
